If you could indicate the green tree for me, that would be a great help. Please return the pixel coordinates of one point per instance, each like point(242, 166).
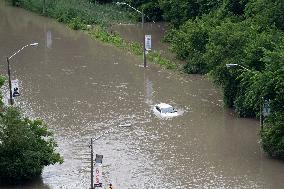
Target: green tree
point(273, 135)
point(26, 146)
point(151, 9)
point(189, 43)
point(179, 11)
point(266, 13)
point(236, 7)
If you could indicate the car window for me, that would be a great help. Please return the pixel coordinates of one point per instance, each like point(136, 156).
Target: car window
point(158, 109)
point(168, 110)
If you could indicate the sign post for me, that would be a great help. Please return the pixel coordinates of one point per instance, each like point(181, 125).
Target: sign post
point(15, 88)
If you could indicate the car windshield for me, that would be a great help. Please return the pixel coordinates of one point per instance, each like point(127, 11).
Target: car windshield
point(168, 110)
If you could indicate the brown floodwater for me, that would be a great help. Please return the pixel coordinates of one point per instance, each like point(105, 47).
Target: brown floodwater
point(134, 33)
point(83, 88)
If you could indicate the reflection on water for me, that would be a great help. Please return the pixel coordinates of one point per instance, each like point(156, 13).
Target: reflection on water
point(36, 183)
point(83, 89)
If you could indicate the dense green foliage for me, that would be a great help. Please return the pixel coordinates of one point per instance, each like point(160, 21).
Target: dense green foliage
point(272, 136)
point(151, 9)
point(179, 11)
point(26, 146)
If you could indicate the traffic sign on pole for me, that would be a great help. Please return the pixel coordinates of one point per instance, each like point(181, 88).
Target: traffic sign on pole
point(148, 42)
point(98, 171)
point(266, 108)
point(15, 88)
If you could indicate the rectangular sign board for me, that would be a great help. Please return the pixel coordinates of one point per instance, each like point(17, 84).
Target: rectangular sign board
point(15, 88)
point(98, 175)
point(148, 42)
point(266, 108)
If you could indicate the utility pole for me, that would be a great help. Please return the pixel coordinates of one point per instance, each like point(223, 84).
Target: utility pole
point(143, 20)
point(11, 100)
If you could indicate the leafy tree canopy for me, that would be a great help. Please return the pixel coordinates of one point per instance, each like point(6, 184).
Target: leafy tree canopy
point(26, 146)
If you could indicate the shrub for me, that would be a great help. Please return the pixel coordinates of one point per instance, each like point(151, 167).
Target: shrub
point(26, 146)
point(266, 13)
point(273, 136)
point(179, 11)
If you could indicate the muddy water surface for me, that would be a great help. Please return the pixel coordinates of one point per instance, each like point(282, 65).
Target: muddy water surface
point(83, 89)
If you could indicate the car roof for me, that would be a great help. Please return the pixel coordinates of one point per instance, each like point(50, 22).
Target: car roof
point(164, 105)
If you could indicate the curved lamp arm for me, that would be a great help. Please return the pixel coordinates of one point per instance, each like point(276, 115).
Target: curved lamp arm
point(32, 44)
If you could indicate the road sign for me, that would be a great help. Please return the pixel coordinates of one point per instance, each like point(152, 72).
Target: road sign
point(99, 158)
point(266, 108)
point(98, 175)
point(98, 171)
point(15, 88)
point(148, 42)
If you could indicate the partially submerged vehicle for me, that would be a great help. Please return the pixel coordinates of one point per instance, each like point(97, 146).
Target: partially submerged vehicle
point(164, 110)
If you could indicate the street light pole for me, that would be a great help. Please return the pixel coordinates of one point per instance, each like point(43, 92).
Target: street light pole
point(143, 31)
point(11, 100)
point(261, 99)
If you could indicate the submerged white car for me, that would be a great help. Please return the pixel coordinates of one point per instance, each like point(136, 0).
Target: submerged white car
point(164, 110)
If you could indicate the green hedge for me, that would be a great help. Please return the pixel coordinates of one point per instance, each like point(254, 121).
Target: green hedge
point(26, 146)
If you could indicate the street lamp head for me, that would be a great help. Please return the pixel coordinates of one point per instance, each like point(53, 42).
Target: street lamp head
point(120, 3)
point(231, 65)
point(234, 65)
point(34, 44)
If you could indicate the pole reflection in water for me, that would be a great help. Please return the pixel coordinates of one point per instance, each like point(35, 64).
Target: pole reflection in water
point(49, 39)
point(148, 89)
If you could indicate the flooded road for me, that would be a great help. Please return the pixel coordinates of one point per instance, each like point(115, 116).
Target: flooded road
point(134, 33)
point(83, 88)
